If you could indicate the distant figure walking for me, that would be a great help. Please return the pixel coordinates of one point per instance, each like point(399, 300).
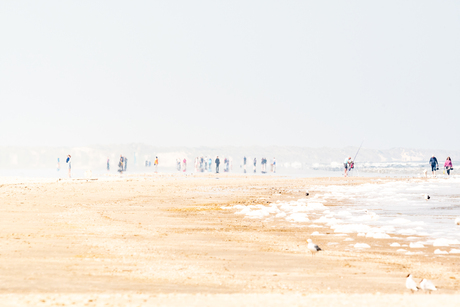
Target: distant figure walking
point(274, 165)
point(434, 165)
point(184, 165)
point(209, 164)
point(125, 163)
point(108, 164)
point(347, 164)
point(255, 164)
point(244, 164)
point(69, 161)
point(178, 164)
point(448, 165)
point(156, 164)
point(217, 164)
point(58, 165)
point(120, 164)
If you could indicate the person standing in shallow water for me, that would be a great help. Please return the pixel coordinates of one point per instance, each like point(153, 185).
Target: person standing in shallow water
point(434, 165)
point(448, 165)
point(217, 164)
point(255, 164)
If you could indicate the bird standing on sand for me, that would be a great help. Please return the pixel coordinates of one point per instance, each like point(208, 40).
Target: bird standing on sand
point(312, 247)
point(410, 283)
point(427, 285)
point(426, 196)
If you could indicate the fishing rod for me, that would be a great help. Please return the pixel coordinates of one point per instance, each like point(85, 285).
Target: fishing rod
point(358, 151)
point(354, 159)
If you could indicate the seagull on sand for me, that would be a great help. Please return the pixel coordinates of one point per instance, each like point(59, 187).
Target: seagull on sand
point(427, 285)
point(312, 247)
point(410, 283)
point(426, 196)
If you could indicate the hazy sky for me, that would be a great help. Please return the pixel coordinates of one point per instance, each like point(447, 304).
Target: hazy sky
point(305, 73)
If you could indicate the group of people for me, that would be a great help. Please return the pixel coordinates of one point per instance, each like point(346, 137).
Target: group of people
point(349, 165)
point(122, 164)
point(435, 165)
point(204, 164)
point(263, 163)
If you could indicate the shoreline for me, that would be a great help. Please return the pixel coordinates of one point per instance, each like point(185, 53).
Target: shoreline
point(167, 235)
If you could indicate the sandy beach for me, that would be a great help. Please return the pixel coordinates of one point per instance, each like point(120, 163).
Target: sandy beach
point(171, 240)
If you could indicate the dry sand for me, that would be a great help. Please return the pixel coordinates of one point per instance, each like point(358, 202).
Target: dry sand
point(164, 240)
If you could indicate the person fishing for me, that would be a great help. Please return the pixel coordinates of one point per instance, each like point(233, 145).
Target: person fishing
point(347, 165)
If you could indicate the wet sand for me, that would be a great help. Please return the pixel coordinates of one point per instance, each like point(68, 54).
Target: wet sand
point(164, 240)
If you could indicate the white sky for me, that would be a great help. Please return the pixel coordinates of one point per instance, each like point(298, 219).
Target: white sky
point(305, 73)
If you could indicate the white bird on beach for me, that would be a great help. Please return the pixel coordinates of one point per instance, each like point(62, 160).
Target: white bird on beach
point(457, 221)
point(312, 247)
point(411, 284)
point(427, 285)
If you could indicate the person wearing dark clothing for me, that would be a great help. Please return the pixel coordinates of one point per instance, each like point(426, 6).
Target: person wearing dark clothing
point(244, 164)
point(255, 164)
point(120, 164)
point(434, 165)
point(217, 164)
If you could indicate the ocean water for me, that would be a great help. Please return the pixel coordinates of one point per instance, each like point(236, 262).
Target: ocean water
point(386, 210)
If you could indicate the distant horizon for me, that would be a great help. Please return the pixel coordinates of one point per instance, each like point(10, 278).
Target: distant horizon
point(217, 146)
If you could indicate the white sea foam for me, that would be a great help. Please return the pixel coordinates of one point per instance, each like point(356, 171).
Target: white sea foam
point(380, 211)
point(414, 253)
point(297, 217)
point(395, 244)
point(351, 228)
point(361, 245)
point(454, 251)
point(441, 242)
point(416, 245)
point(440, 252)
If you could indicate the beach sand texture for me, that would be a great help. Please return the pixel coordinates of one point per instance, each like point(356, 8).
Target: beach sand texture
point(165, 240)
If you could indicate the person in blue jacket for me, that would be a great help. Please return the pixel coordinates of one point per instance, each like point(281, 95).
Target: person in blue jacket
point(434, 165)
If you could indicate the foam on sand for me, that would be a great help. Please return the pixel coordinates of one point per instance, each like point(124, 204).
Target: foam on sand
point(362, 245)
